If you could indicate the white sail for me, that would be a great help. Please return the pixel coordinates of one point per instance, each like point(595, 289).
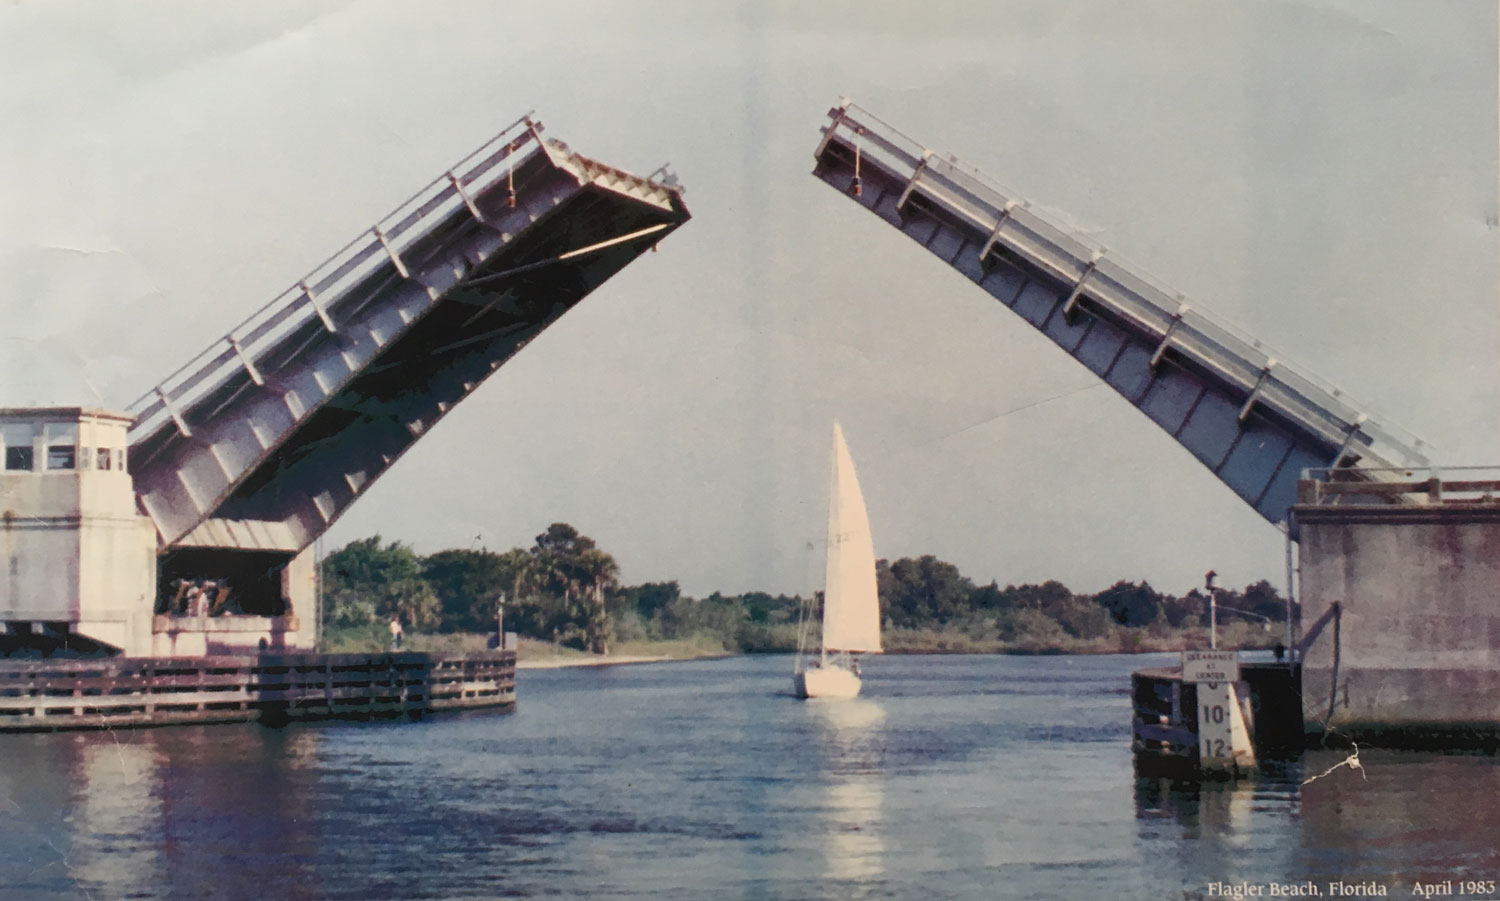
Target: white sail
point(851, 604)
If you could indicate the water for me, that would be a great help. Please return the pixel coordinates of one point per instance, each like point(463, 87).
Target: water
point(952, 777)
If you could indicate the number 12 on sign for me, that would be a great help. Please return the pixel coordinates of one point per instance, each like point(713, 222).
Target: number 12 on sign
point(1223, 740)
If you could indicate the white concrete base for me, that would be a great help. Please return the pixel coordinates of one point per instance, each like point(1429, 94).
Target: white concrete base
point(195, 636)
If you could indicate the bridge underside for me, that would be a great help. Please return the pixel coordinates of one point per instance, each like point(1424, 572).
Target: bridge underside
point(1253, 421)
point(258, 445)
point(343, 445)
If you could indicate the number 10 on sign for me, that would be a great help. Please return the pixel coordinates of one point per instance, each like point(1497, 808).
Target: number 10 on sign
point(1223, 740)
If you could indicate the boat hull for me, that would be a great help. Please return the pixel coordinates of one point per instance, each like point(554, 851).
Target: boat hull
point(826, 682)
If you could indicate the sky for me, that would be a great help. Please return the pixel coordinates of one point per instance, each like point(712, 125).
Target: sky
point(1320, 173)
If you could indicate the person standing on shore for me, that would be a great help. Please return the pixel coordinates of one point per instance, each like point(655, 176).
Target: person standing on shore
point(396, 632)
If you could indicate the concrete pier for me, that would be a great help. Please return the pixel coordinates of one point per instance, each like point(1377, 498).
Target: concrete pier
point(1401, 631)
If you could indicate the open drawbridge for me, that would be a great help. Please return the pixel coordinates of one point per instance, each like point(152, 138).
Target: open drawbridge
point(258, 444)
point(262, 440)
point(1250, 417)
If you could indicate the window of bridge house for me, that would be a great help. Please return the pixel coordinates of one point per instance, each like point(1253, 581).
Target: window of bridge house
point(61, 441)
point(102, 455)
point(18, 439)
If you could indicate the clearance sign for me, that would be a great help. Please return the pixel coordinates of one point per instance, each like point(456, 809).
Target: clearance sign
point(1223, 738)
point(1210, 666)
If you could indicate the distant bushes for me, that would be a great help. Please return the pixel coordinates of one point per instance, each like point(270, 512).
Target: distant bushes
point(565, 590)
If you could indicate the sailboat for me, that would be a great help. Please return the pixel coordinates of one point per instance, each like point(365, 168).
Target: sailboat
point(851, 605)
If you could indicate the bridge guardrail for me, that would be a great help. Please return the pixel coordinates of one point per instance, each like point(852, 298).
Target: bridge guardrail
point(1430, 484)
point(310, 297)
point(1127, 290)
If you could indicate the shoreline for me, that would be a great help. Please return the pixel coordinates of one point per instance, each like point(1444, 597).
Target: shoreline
point(541, 654)
point(607, 660)
point(549, 663)
point(611, 660)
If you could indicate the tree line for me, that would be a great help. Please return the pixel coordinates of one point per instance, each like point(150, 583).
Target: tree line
point(555, 589)
point(566, 589)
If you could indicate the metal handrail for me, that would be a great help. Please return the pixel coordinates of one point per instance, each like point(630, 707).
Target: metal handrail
point(327, 281)
point(1408, 473)
point(1128, 289)
point(1447, 484)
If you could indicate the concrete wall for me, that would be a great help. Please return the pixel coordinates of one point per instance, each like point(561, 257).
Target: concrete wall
point(299, 585)
point(117, 581)
point(72, 545)
point(1414, 641)
point(74, 549)
point(194, 636)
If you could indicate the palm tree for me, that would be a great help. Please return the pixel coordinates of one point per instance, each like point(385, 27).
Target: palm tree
point(568, 565)
point(596, 572)
point(517, 565)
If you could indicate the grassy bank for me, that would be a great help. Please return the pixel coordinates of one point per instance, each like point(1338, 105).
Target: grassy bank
point(376, 639)
point(1234, 636)
point(1239, 635)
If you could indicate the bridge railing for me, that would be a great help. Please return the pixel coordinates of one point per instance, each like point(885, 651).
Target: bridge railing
point(312, 296)
point(1430, 485)
point(1125, 290)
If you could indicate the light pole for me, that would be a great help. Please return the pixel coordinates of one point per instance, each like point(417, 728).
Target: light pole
point(1211, 582)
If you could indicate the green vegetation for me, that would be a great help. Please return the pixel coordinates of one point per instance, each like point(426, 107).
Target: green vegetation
point(557, 590)
point(563, 593)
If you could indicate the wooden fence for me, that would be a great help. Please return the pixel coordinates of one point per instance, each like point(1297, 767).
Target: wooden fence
point(125, 692)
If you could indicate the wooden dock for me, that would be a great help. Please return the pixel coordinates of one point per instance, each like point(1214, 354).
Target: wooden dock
point(126, 692)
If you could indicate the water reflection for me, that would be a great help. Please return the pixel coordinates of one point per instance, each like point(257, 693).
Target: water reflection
point(1221, 810)
point(1403, 817)
point(854, 849)
point(654, 785)
point(233, 792)
point(852, 823)
point(1399, 819)
point(35, 829)
point(118, 814)
point(148, 813)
